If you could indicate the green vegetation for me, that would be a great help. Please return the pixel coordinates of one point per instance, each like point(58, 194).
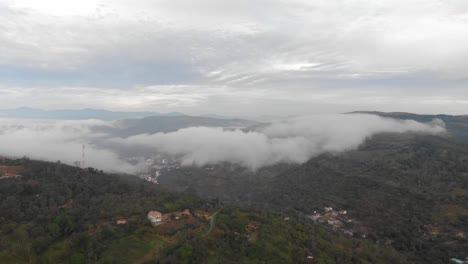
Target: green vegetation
point(61, 214)
point(37, 226)
point(133, 246)
point(394, 184)
point(276, 240)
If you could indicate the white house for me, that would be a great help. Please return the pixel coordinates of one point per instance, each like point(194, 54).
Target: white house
point(155, 217)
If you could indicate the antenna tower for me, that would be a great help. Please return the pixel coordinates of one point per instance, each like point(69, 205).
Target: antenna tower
point(83, 164)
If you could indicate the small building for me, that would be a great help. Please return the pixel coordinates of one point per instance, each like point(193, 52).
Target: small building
point(315, 216)
point(180, 214)
point(348, 232)
point(155, 217)
point(388, 242)
point(251, 227)
point(344, 218)
point(121, 221)
point(460, 234)
point(202, 214)
point(151, 180)
point(432, 230)
point(186, 212)
point(335, 223)
point(325, 218)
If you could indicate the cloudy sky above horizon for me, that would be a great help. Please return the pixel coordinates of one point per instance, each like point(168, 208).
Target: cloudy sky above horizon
point(239, 58)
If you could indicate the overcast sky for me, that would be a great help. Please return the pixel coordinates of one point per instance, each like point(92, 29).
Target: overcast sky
point(238, 57)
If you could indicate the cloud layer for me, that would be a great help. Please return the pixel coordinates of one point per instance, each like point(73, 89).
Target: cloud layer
point(179, 56)
point(293, 141)
point(59, 140)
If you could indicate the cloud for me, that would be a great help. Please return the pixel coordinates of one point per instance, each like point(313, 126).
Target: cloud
point(292, 141)
point(235, 38)
point(59, 140)
point(404, 54)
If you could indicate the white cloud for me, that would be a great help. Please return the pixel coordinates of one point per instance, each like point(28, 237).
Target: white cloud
point(293, 141)
point(59, 140)
point(363, 35)
point(395, 47)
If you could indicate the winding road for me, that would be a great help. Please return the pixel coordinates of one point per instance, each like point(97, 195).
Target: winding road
point(212, 224)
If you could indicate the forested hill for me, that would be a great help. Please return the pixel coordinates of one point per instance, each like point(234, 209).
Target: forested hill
point(411, 190)
point(457, 125)
point(54, 213)
point(407, 190)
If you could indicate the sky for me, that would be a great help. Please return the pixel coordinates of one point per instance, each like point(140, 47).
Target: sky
point(237, 58)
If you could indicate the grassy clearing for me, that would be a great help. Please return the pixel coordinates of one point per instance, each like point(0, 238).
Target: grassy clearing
point(127, 249)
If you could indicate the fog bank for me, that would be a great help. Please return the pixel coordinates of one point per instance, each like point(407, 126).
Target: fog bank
point(59, 140)
point(292, 141)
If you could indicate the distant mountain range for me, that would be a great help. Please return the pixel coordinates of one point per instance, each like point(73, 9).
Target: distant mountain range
point(80, 114)
point(165, 124)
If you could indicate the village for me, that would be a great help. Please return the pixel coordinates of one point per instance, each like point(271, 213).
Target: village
point(339, 220)
point(156, 166)
point(431, 231)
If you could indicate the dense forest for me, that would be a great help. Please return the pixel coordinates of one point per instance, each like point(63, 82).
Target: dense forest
point(409, 191)
point(399, 186)
point(54, 213)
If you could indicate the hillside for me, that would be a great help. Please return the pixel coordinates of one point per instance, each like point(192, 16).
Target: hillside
point(408, 191)
point(397, 186)
point(55, 213)
point(456, 125)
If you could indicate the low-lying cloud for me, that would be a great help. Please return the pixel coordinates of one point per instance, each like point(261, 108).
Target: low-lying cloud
point(59, 140)
point(292, 141)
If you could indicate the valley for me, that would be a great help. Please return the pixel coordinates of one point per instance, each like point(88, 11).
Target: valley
point(399, 195)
